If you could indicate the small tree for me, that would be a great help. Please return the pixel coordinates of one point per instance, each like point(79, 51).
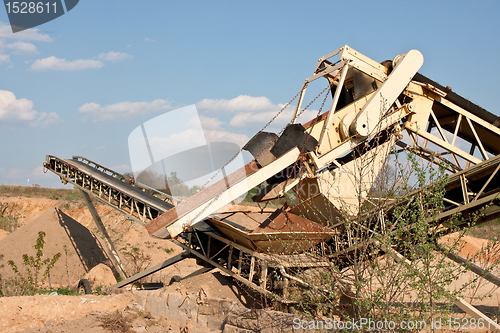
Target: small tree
point(386, 261)
point(29, 281)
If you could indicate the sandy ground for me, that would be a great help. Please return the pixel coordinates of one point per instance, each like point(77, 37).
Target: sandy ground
point(89, 314)
point(70, 231)
point(19, 313)
point(79, 249)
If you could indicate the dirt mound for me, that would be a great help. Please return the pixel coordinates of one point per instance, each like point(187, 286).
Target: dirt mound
point(472, 247)
point(3, 233)
point(19, 313)
point(25, 210)
point(80, 250)
point(99, 276)
point(127, 236)
point(214, 284)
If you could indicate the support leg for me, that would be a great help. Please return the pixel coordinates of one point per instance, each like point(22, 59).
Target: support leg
point(100, 226)
point(152, 270)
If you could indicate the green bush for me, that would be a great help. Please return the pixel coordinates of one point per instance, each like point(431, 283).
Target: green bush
point(36, 269)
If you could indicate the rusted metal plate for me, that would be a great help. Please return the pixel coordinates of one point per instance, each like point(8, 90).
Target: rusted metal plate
point(279, 233)
point(318, 209)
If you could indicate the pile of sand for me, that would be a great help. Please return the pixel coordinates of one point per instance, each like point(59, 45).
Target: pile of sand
point(26, 209)
point(80, 250)
point(214, 284)
point(3, 233)
point(99, 276)
point(472, 247)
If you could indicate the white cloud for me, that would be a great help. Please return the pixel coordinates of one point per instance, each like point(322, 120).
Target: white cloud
point(38, 171)
point(210, 123)
point(89, 108)
point(22, 48)
point(252, 111)
point(252, 118)
point(114, 56)
point(242, 103)
point(47, 119)
point(13, 109)
point(55, 63)
point(176, 142)
point(30, 34)
point(225, 136)
point(17, 173)
point(4, 58)
point(124, 109)
point(17, 176)
point(147, 39)
point(123, 168)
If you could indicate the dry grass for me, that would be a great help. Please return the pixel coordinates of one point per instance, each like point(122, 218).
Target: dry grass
point(51, 193)
point(115, 322)
point(8, 223)
point(488, 230)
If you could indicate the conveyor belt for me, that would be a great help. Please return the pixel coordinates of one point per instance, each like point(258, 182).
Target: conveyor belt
point(460, 101)
point(122, 186)
point(110, 189)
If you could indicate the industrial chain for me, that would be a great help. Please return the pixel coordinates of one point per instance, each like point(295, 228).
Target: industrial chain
point(241, 149)
point(276, 138)
point(263, 128)
point(298, 114)
point(305, 142)
point(304, 145)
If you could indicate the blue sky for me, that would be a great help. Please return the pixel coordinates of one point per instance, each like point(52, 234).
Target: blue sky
point(80, 84)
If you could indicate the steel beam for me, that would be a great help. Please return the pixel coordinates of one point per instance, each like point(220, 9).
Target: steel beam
point(151, 270)
point(466, 263)
point(107, 240)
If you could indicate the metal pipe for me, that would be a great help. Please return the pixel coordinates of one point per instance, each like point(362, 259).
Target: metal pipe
point(299, 103)
point(333, 106)
point(476, 269)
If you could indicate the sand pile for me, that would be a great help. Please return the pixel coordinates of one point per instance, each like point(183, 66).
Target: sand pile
point(26, 209)
point(80, 250)
point(472, 247)
point(99, 276)
point(3, 233)
point(214, 284)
